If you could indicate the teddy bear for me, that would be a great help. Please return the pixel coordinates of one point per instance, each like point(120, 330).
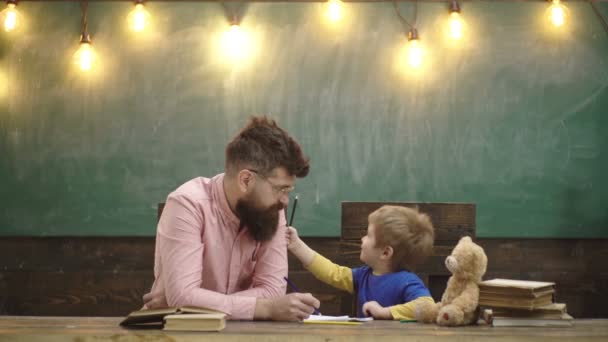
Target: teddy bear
point(458, 305)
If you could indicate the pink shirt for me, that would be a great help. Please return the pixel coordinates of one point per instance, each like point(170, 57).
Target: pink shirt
point(202, 259)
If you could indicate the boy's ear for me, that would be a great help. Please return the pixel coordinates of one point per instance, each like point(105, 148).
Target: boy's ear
point(388, 252)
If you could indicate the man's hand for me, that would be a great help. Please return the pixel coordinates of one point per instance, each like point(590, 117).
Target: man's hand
point(376, 310)
point(155, 300)
point(291, 307)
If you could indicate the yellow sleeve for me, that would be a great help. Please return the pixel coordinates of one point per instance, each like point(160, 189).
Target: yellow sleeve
point(335, 275)
point(406, 311)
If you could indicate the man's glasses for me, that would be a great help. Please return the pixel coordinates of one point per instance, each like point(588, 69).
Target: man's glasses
point(277, 189)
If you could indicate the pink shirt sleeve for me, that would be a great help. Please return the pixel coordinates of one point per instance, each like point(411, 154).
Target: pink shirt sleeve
point(181, 251)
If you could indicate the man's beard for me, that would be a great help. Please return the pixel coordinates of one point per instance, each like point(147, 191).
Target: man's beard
point(262, 223)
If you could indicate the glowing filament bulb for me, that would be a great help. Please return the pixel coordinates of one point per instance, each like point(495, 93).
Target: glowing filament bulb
point(557, 13)
point(85, 56)
point(415, 53)
point(235, 36)
point(236, 42)
point(10, 17)
point(455, 24)
point(138, 18)
point(334, 10)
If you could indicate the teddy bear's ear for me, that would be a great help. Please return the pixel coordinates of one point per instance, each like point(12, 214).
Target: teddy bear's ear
point(465, 239)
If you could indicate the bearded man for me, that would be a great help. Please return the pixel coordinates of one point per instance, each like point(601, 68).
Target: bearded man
point(220, 241)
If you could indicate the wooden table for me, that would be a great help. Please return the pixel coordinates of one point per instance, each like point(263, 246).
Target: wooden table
point(21, 328)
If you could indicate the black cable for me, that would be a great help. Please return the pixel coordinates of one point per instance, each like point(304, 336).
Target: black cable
point(405, 22)
point(599, 15)
point(83, 7)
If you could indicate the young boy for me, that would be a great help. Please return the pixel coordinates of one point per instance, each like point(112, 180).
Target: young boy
point(397, 239)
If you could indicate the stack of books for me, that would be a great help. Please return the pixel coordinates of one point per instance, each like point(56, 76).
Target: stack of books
point(522, 303)
point(176, 319)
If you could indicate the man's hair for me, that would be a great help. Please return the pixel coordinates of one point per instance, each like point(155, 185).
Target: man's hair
point(262, 145)
point(409, 232)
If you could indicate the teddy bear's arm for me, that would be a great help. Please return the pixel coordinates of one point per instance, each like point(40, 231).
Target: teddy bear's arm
point(468, 299)
point(445, 297)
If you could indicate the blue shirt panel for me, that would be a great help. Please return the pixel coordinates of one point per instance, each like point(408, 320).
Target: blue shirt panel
point(387, 289)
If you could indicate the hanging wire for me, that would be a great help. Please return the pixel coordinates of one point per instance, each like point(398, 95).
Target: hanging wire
point(599, 15)
point(405, 22)
point(83, 7)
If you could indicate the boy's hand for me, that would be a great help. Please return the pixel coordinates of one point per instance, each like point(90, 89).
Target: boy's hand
point(376, 310)
point(298, 247)
point(291, 235)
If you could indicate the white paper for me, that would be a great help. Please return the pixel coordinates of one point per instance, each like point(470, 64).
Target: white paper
point(338, 318)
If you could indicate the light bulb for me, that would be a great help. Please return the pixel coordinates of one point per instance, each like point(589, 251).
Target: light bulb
point(235, 36)
point(415, 53)
point(85, 56)
point(10, 17)
point(138, 18)
point(334, 10)
point(455, 24)
point(236, 42)
point(557, 13)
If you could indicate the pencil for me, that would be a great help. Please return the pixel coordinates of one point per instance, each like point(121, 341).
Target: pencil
point(295, 288)
point(293, 210)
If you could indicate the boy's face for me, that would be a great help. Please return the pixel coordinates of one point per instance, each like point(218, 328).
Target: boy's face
point(370, 252)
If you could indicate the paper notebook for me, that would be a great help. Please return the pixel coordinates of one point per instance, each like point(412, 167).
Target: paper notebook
point(154, 318)
point(564, 321)
point(195, 322)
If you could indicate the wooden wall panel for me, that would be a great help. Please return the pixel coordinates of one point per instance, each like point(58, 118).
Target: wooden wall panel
point(451, 220)
point(74, 276)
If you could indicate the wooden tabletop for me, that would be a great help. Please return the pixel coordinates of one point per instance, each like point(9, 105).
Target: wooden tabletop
point(24, 328)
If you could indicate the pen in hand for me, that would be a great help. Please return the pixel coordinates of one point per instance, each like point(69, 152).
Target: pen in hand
point(295, 288)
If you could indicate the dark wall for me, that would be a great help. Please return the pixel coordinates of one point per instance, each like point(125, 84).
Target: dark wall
point(108, 276)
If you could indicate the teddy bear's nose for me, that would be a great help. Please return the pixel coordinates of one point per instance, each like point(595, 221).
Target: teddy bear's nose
point(451, 263)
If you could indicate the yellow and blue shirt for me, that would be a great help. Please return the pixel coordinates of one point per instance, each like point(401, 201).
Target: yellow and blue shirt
point(400, 291)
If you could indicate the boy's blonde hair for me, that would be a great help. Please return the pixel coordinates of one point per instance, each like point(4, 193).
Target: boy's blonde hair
point(408, 232)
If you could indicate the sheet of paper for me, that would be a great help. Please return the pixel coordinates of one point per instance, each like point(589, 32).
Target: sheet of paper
point(338, 318)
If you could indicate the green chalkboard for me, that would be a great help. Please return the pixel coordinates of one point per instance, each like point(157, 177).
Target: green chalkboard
point(514, 118)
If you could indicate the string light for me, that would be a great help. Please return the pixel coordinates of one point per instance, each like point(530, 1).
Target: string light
point(139, 17)
point(236, 43)
point(455, 22)
point(10, 16)
point(415, 53)
point(334, 10)
point(85, 55)
point(557, 13)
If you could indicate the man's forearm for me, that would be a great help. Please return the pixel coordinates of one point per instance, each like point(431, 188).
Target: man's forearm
point(262, 309)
